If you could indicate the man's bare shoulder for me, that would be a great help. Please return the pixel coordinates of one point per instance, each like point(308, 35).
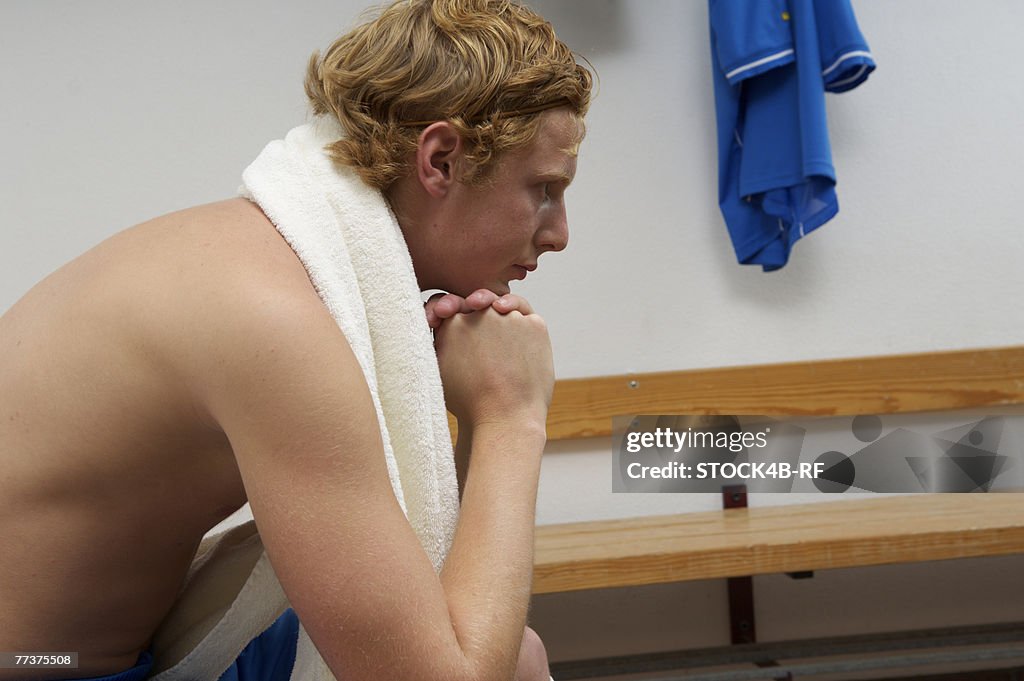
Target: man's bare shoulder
point(178, 292)
point(236, 282)
point(171, 265)
point(230, 244)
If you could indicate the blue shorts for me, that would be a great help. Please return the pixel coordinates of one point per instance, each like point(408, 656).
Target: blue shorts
point(137, 673)
point(268, 657)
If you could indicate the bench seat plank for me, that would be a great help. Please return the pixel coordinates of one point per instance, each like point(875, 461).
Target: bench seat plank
point(752, 541)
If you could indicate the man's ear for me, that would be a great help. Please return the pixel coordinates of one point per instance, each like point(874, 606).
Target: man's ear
point(437, 155)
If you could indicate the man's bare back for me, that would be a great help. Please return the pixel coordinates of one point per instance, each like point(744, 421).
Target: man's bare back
point(187, 365)
point(97, 423)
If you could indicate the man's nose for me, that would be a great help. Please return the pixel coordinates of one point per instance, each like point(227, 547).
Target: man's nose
point(554, 235)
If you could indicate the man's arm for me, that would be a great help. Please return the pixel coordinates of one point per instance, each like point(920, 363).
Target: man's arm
point(463, 449)
point(283, 384)
point(442, 306)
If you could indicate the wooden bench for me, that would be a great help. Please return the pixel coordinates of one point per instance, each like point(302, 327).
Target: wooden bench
point(739, 542)
point(753, 541)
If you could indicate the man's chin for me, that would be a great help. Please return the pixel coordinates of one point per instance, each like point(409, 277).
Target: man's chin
point(497, 287)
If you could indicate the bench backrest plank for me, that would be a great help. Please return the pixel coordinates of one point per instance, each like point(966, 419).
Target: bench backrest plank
point(871, 385)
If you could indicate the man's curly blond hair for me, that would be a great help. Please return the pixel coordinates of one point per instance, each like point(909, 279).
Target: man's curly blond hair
point(487, 66)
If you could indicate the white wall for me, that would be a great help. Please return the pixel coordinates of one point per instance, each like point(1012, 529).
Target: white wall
point(925, 253)
point(118, 110)
point(115, 111)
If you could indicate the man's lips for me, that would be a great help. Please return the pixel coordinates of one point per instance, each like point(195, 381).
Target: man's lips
point(525, 269)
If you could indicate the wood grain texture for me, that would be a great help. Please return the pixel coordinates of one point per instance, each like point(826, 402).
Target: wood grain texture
point(937, 381)
point(872, 385)
point(752, 541)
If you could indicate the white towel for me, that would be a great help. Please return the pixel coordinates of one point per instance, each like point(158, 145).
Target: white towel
point(353, 250)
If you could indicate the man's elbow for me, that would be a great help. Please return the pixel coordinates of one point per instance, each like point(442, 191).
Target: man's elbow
point(531, 664)
point(533, 658)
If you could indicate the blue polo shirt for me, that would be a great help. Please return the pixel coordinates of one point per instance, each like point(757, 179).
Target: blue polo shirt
point(772, 62)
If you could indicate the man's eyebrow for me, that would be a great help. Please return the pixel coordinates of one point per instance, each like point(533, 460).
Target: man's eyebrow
point(555, 176)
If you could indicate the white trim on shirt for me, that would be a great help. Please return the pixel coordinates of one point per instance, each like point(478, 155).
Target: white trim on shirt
point(844, 57)
point(759, 62)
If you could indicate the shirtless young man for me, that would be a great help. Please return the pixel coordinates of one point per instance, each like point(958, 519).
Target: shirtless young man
point(186, 365)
